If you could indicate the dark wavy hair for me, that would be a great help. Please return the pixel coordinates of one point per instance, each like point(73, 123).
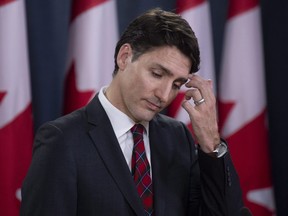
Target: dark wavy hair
point(157, 28)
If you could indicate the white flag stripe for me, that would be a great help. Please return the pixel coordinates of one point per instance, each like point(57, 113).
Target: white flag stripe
point(14, 76)
point(92, 46)
point(242, 78)
point(242, 86)
point(200, 21)
point(16, 128)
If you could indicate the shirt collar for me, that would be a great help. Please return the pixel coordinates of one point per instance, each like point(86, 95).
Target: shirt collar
point(121, 123)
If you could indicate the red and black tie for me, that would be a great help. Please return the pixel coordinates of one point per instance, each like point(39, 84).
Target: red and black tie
point(141, 169)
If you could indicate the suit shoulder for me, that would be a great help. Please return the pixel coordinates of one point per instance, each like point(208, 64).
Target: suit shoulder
point(172, 125)
point(71, 121)
point(164, 119)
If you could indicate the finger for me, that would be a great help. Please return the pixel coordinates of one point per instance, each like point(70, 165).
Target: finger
point(210, 84)
point(205, 87)
point(187, 106)
point(196, 82)
point(194, 94)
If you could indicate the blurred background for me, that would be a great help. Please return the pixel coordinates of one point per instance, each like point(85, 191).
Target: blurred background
point(237, 43)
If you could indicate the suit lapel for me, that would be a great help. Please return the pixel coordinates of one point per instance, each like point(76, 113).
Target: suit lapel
point(108, 147)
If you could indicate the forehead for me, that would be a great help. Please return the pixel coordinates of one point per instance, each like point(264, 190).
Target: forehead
point(168, 57)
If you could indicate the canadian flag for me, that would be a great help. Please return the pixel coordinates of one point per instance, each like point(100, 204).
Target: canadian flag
point(16, 128)
point(197, 14)
point(242, 104)
point(93, 37)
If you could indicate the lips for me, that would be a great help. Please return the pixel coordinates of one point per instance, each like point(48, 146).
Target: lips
point(153, 106)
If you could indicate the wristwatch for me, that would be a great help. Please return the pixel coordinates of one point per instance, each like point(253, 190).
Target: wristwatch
point(220, 150)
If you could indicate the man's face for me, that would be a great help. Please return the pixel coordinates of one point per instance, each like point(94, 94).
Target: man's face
point(149, 84)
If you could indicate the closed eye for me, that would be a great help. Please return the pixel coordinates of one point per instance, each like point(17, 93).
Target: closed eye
point(176, 86)
point(179, 83)
point(157, 75)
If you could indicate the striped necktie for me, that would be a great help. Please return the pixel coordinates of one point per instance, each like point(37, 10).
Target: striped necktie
point(141, 170)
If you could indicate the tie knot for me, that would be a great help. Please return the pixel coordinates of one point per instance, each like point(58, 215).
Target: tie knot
point(137, 129)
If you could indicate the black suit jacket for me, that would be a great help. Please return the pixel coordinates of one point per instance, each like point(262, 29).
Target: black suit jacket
point(79, 169)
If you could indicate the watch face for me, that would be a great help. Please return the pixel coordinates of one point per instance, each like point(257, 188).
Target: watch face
point(220, 150)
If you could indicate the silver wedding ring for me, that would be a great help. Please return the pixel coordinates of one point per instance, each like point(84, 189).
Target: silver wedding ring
point(197, 103)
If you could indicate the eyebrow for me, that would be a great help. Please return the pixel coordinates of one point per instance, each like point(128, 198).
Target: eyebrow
point(168, 72)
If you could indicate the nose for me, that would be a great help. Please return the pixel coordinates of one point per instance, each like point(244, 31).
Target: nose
point(163, 92)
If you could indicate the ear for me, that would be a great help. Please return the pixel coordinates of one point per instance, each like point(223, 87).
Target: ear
point(124, 56)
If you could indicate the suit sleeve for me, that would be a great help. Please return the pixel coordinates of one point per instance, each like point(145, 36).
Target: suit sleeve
point(220, 187)
point(50, 185)
point(214, 185)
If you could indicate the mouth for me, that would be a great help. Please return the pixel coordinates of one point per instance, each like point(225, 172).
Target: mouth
point(154, 107)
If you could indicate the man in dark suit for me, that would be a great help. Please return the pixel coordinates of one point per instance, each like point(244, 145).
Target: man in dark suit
point(86, 163)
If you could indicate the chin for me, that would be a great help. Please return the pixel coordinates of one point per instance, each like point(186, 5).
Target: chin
point(144, 117)
point(143, 114)
point(149, 116)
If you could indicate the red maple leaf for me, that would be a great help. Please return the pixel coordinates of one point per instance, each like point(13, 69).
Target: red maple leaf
point(74, 99)
point(15, 156)
point(175, 105)
point(2, 95)
point(224, 110)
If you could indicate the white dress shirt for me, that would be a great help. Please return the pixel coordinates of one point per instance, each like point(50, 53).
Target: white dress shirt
point(122, 124)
